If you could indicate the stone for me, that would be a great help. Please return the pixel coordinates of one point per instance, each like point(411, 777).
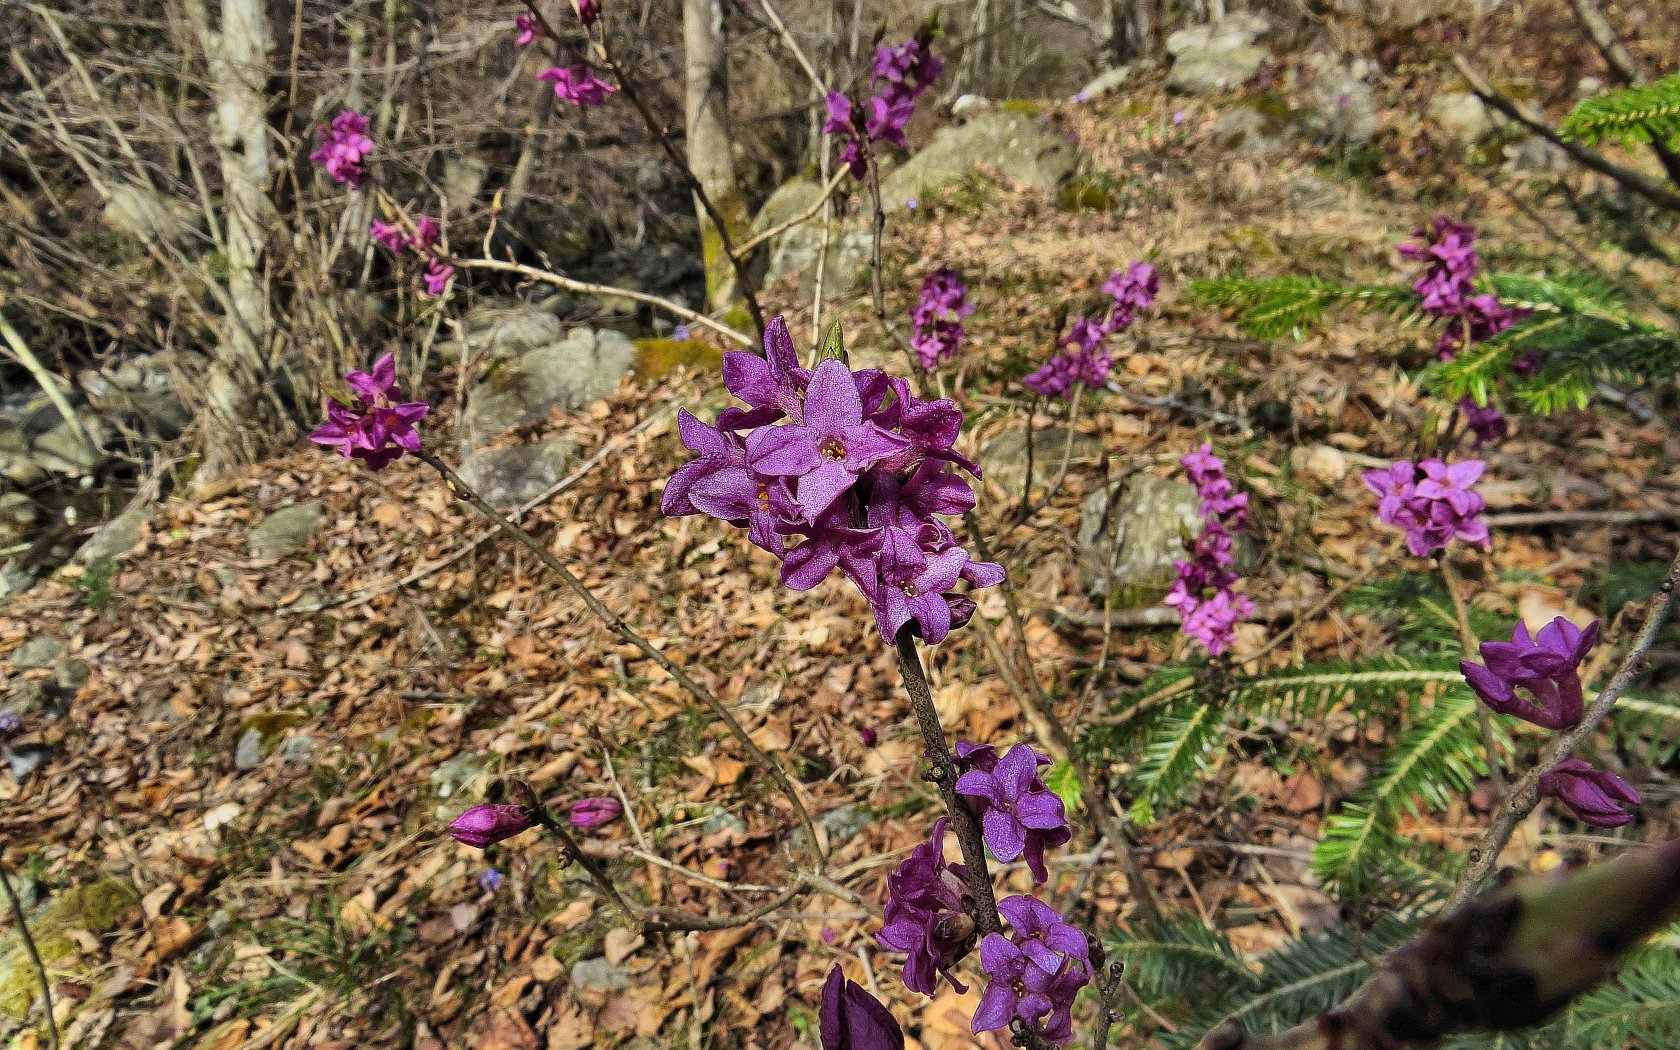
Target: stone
point(118, 536)
point(145, 215)
point(23, 761)
point(299, 749)
point(463, 178)
point(795, 251)
point(1535, 154)
point(1016, 146)
point(248, 753)
point(1245, 130)
point(599, 975)
point(1104, 83)
point(968, 105)
point(1461, 116)
point(62, 451)
point(587, 364)
point(1144, 537)
point(1341, 106)
point(509, 476)
point(40, 651)
point(1005, 456)
point(1218, 56)
point(17, 513)
point(455, 777)
point(845, 823)
point(1324, 463)
point(498, 331)
point(286, 530)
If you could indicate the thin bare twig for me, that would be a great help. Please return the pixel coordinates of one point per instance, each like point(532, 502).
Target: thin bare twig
point(1581, 517)
point(1525, 795)
point(34, 954)
point(805, 216)
point(1467, 638)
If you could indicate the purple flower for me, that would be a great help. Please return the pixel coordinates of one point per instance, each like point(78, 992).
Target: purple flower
point(1134, 290)
point(1055, 378)
point(375, 427)
point(868, 735)
point(490, 881)
point(590, 813)
point(1036, 976)
point(437, 276)
point(937, 317)
point(577, 84)
point(341, 147)
point(851, 463)
point(1018, 813)
point(529, 29)
point(1447, 287)
point(926, 915)
point(587, 11)
point(886, 117)
point(909, 65)
point(852, 1019)
point(1598, 797)
point(390, 237)
point(485, 825)
point(680, 333)
point(830, 448)
point(1178, 117)
point(1547, 668)
point(426, 233)
point(1434, 510)
point(1484, 421)
point(1207, 607)
point(1481, 318)
point(9, 723)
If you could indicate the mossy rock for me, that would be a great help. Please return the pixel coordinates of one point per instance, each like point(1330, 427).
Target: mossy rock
point(1024, 106)
point(95, 907)
point(658, 358)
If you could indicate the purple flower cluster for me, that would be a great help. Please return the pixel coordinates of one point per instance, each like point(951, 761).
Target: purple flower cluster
point(529, 29)
point(438, 271)
point(855, 464)
point(1546, 667)
point(1432, 510)
point(375, 428)
point(1447, 287)
point(1035, 974)
point(1485, 421)
point(1597, 796)
point(902, 73)
point(1019, 815)
point(587, 11)
point(342, 146)
point(577, 84)
point(1087, 360)
point(927, 915)
point(1207, 606)
point(938, 316)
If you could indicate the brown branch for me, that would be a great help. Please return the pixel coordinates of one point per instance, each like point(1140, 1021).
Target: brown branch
point(1626, 177)
point(34, 955)
point(1525, 795)
point(1108, 1005)
point(1581, 517)
point(805, 216)
point(588, 288)
point(617, 625)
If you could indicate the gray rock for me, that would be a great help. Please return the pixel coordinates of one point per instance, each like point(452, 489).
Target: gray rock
point(1461, 116)
point(62, 451)
point(724, 820)
point(145, 215)
point(1587, 87)
point(846, 822)
point(586, 365)
point(599, 975)
point(1216, 57)
point(1535, 154)
point(1341, 106)
point(17, 513)
point(496, 331)
point(118, 536)
point(457, 775)
point(1145, 535)
point(1016, 146)
point(1005, 456)
point(463, 178)
point(1246, 131)
point(1104, 83)
point(795, 251)
point(286, 530)
point(298, 749)
point(39, 651)
point(25, 760)
point(248, 753)
point(507, 476)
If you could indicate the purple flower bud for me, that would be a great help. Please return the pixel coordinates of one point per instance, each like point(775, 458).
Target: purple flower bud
point(437, 277)
point(680, 333)
point(925, 915)
point(852, 1019)
point(587, 11)
point(591, 813)
point(529, 29)
point(390, 237)
point(1598, 797)
point(485, 825)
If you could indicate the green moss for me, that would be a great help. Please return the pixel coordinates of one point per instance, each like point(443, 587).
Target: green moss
point(1027, 107)
point(738, 317)
point(94, 907)
point(1093, 191)
point(720, 275)
point(657, 358)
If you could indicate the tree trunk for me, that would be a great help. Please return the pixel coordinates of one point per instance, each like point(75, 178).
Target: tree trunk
point(709, 152)
point(1131, 25)
point(237, 53)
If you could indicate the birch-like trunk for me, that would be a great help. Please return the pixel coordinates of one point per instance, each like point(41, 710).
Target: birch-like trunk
point(706, 111)
point(237, 53)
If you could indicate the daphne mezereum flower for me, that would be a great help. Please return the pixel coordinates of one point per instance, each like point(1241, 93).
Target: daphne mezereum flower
point(437, 277)
point(1597, 796)
point(577, 84)
point(1449, 249)
point(1432, 510)
point(426, 233)
point(375, 428)
point(590, 813)
point(937, 317)
point(342, 146)
point(1546, 667)
point(1208, 608)
point(926, 915)
point(1087, 360)
point(1018, 813)
point(391, 237)
point(587, 10)
point(852, 1019)
point(486, 824)
point(1485, 421)
point(833, 469)
point(1035, 975)
point(529, 30)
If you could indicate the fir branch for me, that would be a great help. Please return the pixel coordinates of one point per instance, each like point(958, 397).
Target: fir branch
point(1637, 115)
point(1176, 753)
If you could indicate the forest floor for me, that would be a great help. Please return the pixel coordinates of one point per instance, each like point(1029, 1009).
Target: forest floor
point(299, 891)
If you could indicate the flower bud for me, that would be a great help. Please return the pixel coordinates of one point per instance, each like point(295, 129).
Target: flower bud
point(594, 812)
point(485, 825)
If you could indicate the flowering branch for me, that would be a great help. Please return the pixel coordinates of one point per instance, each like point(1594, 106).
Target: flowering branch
point(1525, 794)
point(617, 625)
